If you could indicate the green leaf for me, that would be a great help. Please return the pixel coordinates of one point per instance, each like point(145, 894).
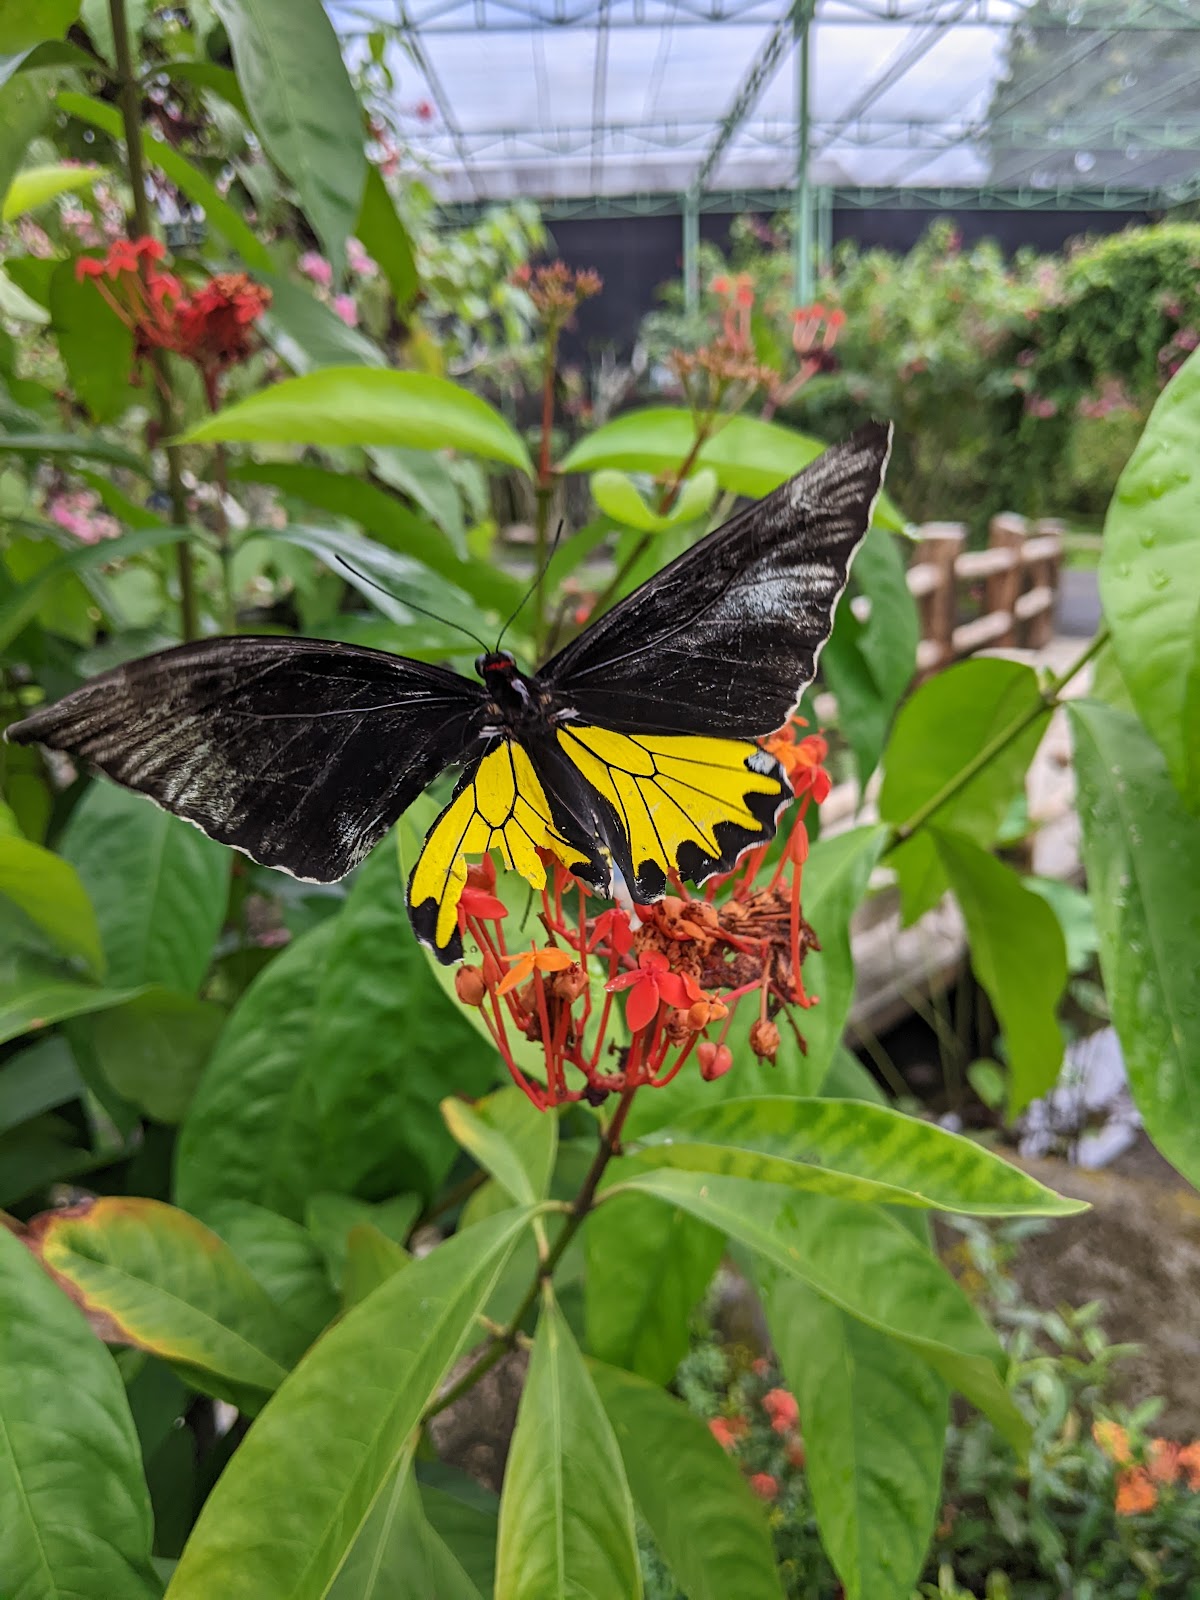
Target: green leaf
point(153, 1049)
point(90, 447)
point(207, 75)
point(284, 1514)
point(939, 730)
point(25, 107)
point(869, 665)
point(77, 1523)
point(153, 1277)
point(1075, 916)
point(332, 1218)
point(749, 456)
point(308, 334)
point(19, 607)
point(159, 887)
point(466, 1516)
point(95, 344)
point(1150, 577)
point(289, 65)
point(648, 1266)
point(399, 1553)
point(384, 237)
point(713, 1534)
point(618, 497)
point(863, 1261)
point(389, 522)
point(220, 215)
point(36, 1080)
point(509, 1139)
point(48, 891)
point(874, 1419)
point(367, 405)
point(1019, 956)
point(1141, 847)
point(332, 1067)
point(35, 186)
point(371, 1259)
point(861, 1152)
point(34, 993)
point(24, 23)
point(285, 1259)
point(566, 1516)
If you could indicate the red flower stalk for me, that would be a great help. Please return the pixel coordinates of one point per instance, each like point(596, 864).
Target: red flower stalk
point(212, 327)
point(688, 966)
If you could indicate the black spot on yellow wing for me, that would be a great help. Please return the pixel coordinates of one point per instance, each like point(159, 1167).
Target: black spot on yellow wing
point(686, 804)
point(499, 805)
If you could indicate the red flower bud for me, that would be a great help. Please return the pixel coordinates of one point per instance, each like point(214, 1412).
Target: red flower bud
point(715, 1059)
point(469, 986)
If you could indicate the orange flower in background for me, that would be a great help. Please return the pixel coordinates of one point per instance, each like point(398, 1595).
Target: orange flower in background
point(1113, 1440)
point(781, 1407)
point(1163, 1464)
point(1188, 1462)
point(1135, 1492)
point(728, 1430)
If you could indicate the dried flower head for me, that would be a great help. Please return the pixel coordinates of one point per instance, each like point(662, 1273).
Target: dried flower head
point(556, 290)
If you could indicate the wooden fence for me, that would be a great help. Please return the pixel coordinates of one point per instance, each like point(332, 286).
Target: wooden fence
point(973, 600)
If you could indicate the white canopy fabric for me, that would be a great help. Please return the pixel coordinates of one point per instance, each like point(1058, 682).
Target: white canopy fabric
point(570, 99)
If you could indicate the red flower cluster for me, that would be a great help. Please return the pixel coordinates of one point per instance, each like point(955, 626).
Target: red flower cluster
point(684, 965)
point(557, 291)
point(212, 326)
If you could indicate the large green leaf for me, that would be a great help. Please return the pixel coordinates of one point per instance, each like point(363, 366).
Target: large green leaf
point(749, 456)
point(466, 1517)
point(389, 522)
point(869, 665)
point(153, 1049)
point(284, 1516)
point(566, 1516)
point(22, 604)
point(861, 1152)
point(369, 405)
point(1150, 577)
point(220, 215)
point(307, 334)
point(618, 497)
point(874, 1419)
point(1019, 956)
point(35, 992)
point(398, 1552)
point(24, 23)
point(648, 1266)
point(36, 186)
point(159, 887)
point(289, 65)
point(383, 235)
point(509, 1139)
point(284, 1257)
point(25, 107)
point(77, 1523)
point(861, 1260)
point(1142, 852)
point(331, 1070)
point(47, 889)
point(37, 1079)
point(151, 1276)
point(945, 724)
point(713, 1534)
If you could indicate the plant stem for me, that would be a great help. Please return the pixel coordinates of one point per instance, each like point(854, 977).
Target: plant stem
point(1046, 701)
point(221, 525)
point(545, 488)
point(129, 99)
point(501, 1343)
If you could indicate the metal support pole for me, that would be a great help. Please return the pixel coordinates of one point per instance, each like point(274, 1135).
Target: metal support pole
point(824, 228)
point(802, 203)
point(691, 251)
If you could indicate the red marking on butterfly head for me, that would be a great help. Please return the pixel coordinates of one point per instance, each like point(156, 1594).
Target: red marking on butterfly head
point(496, 661)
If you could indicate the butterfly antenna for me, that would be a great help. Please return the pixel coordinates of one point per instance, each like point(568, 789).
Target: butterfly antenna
point(538, 576)
point(412, 605)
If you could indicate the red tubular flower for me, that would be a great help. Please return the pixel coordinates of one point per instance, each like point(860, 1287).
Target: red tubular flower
point(651, 985)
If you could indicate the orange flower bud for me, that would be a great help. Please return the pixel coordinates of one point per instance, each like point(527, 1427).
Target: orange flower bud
point(469, 986)
point(764, 1040)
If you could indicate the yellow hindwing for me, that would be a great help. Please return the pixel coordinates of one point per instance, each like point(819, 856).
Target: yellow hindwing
point(688, 804)
point(503, 807)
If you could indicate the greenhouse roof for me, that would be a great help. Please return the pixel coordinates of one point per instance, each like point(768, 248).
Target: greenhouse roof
point(659, 103)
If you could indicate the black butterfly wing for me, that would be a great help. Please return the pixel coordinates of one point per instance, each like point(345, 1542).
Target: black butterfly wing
point(299, 752)
point(725, 639)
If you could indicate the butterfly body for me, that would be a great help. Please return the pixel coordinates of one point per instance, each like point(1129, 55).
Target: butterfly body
point(630, 756)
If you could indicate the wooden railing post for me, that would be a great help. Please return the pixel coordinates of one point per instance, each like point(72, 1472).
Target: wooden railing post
point(1006, 531)
point(932, 581)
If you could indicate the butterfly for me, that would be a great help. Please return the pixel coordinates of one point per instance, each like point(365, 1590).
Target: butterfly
point(630, 756)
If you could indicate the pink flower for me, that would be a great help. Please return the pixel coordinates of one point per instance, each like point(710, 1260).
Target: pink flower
point(360, 263)
point(315, 266)
point(782, 1409)
point(344, 305)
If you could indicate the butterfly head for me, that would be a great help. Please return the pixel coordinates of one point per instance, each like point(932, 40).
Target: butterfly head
point(496, 666)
